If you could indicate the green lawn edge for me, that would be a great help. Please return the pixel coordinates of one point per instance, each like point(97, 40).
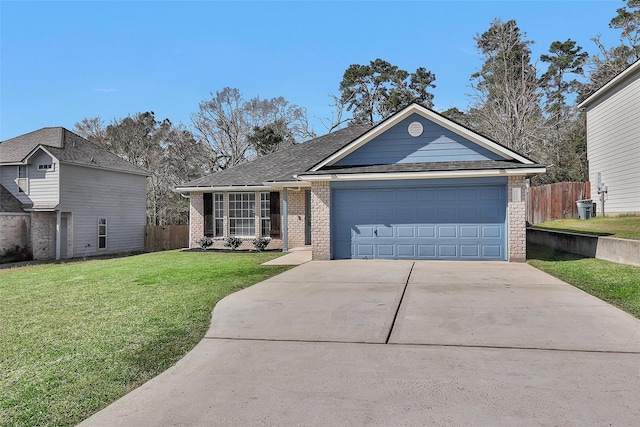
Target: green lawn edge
point(617, 284)
point(74, 337)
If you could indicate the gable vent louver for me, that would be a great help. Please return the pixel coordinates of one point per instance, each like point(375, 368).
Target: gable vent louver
point(415, 129)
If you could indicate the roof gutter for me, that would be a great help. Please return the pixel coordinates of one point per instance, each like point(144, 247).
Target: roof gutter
point(423, 175)
point(238, 188)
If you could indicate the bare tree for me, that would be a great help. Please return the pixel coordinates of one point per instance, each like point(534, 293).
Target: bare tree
point(227, 121)
point(506, 98)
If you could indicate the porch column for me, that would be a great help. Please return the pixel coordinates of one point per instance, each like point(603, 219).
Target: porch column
point(285, 220)
point(58, 229)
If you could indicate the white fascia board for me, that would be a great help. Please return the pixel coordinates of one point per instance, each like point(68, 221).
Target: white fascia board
point(440, 120)
point(33, 152)
point(613, 82)
point(229, 188)
point(424, 175)
point(287, 184)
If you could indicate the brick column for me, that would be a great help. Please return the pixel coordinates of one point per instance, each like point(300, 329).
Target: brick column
point(516, 212)
point(196, 218)
point(321, 224)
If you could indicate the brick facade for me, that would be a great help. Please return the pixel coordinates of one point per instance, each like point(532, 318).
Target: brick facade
point(321, 224)
point(196, 219)
point(15, 230)
point(43, 232)
point(516, 220)
point(297, 218)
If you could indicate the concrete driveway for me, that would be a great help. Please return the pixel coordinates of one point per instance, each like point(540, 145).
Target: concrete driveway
point(401, 343)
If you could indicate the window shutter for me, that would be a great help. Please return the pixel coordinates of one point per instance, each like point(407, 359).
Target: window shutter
point(208, 214)
point(274, 213)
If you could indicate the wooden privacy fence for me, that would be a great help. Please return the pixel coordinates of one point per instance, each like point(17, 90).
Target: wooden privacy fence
point(165, 237)
point(555, 201)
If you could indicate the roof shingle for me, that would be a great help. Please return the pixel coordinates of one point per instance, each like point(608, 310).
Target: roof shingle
point(67, 147)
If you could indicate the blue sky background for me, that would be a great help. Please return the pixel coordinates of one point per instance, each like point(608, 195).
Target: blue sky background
point(63, 61)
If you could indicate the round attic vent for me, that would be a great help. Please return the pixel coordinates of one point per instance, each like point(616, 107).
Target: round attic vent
point(415, 129)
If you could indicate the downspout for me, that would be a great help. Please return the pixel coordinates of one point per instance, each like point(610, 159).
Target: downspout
point(58, 232)
point(285, 220)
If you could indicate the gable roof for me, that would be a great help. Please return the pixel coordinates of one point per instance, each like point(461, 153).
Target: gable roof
point(315, 159)
point(65, 146)
point(439, 119)
point(8, 202)
point(614, 82)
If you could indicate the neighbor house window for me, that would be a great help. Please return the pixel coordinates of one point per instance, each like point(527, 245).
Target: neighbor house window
point(23, 181)
point(218, 217)
point(46, 167)
point(265, 214)
point(102, 233)
point(242, 207)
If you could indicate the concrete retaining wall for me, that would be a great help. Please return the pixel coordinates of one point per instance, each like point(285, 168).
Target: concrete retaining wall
point(622, 251)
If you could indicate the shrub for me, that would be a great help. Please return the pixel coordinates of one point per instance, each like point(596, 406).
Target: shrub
point(205, 242)
point(15, 254)
point(233, 242)
point(260, 243)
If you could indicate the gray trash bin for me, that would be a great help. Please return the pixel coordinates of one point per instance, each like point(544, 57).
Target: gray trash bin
point(584, 208)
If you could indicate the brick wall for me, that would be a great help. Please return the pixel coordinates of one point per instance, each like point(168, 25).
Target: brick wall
point(43, 235)
point(15, 230)
point(297, 218)
point(196, 219)
point(516, 212)
point(321, 225)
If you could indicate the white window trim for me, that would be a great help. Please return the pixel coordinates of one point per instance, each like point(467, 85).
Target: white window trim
point(46, 167)
point(251, 218)
point(106, 233)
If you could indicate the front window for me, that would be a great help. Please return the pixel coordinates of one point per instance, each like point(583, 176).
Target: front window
point(102, 233)
point(218, 209)
point(265, 214)
point(242, 207)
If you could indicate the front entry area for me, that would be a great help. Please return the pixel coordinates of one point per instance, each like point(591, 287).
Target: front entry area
point(420, 219)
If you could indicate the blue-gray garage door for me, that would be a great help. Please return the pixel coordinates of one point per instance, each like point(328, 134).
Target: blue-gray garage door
point(462, 222)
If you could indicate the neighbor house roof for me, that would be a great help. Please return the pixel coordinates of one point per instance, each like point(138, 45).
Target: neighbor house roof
point(65, 146)
point(8, 202)
point(613, 83)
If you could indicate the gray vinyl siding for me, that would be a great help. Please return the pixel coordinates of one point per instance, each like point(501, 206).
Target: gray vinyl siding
point(90, 194)
point(613, 141)
point(435, 144)
point(43, 184)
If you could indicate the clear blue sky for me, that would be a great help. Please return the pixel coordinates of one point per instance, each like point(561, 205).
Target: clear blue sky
point(63, 61)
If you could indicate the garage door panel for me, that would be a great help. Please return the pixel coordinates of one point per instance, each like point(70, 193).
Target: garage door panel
point(466, 222)
point(447, 251)
point(426, 232)
point(386, 251)
point(469, 232)
point(447, 231)
point(469, 251)
point(492, 252)
point(404, 231)
point(406, 251)
point(385, 231)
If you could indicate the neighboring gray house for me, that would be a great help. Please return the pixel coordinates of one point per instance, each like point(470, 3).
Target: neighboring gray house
point(65, 197)
point(613, 141)
point(416, 186)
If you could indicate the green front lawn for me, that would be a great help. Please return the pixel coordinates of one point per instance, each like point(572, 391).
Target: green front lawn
point(75, 337)
point(624, 227)
point(617, 284)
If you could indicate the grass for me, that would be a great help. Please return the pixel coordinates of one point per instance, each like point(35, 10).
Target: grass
point(617, 284)
point(624, 227)
point(75, 337)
